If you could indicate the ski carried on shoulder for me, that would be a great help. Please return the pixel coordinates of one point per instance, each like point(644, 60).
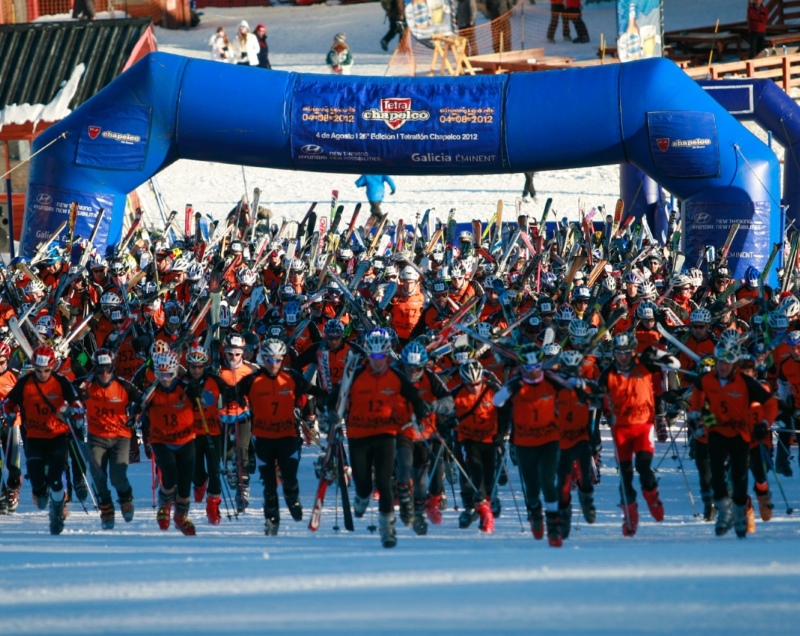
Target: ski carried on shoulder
point(332, 466)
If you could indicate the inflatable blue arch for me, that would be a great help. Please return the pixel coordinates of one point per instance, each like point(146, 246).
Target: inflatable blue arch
point(648, 113)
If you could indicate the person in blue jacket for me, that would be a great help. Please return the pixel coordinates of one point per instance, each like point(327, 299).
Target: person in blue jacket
point(375, 193)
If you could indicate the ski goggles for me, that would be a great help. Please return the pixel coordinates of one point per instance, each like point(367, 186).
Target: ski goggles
point(105, 368)
point(532, 367)
point(273, 360)
point(377, 356)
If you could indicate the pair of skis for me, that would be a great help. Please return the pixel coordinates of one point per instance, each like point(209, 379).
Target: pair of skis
point(334, 461)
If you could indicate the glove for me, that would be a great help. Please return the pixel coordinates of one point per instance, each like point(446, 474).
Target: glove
point(194, 391)
point(709, 419)
point(761, 430)
point(577, 384)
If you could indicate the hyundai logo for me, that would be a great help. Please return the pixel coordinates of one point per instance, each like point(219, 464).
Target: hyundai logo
point(702, 218)
point(44, 198)
point(311, 149)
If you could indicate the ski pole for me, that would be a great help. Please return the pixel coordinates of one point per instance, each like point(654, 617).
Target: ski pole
point(215, 460)
point(458, 464)
point(622, 490)
point(153, 477)
point(513, 494)
point(789, 509)
point(683, 472)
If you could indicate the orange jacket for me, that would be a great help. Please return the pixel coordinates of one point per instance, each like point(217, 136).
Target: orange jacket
point(32, 397)
point(406, 312)
point(629, 396)
point(377, 403)
point(107, 407)
point(574, 418)
point(272, 402)
point(730, 404)
point(534, 420)
point(171, 416)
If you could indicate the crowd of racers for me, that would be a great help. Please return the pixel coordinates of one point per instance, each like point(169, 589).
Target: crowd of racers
point(546, 352)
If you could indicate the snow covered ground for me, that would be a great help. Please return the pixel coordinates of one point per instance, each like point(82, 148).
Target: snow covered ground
point(673, 577)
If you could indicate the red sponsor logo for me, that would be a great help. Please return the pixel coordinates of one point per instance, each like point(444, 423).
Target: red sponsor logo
point(94, 131)
point(663, 144)
point(396, 105)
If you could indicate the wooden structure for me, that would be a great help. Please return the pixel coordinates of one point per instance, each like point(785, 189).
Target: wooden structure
point(527, 60)
point(783, 69)
point(443, 47)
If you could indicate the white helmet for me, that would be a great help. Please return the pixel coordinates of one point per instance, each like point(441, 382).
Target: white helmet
point(377, 341)
point(471, 372)
point(701, 315)
point(409, 273)
point(271, 348)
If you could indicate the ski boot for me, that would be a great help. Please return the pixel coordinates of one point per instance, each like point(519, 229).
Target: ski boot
point(360, 505)
point(467, 516)
point(182, 521)
point(750, 515)
point(587, 506)
point(630, 513)
point(536, 519)
point(212, 510)
point(41, 501)
point(740, 520)
point(764, 498)
point(272, 515)
point(406, 504)
point(420, 525)
point(164, 509)
point(565, 515)
point(484, 510)
point(126, 505)
point(242, 498)
point(294, 505)
point(107, 515)
point(709, 510)
point(662, 429)
point(81, 489)
point(388, 533)
point(200, 491)
point(554, 538)
point(497, 507)
point(57, 512)
point(724, 516)
point(654, 503)
point(432, 509)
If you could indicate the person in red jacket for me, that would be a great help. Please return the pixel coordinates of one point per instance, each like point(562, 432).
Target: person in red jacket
point(630, 410)
point(9, 437)
point(720, 403)
point(535, 436)
point(107, 399)
point(377, 395)
point(49, 406)
point(757, 15)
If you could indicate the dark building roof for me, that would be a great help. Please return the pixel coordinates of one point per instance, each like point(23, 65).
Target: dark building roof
point(38, 57)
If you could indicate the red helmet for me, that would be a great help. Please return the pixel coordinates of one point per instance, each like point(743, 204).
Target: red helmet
point(44, 356)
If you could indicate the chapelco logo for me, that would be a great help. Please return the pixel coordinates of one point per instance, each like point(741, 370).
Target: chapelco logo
point(311, 149)
point(665, 143)
point(395, 111)
point(43, 198)
point(124, 138)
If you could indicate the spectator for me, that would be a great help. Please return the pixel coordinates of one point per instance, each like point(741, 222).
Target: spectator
point(375, 191)
point(501, 26)
point(83, 10)
point(573, 13)
point(395, 12)
point(556, 11)
point(263, 48)
point(528, 190)
point(757, 15)
point(221, 50)
point(246, 47)
point(466, 12)
point(339, 57)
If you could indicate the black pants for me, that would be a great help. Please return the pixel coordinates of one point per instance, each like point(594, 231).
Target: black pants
point(46, 460)
point(729, 458)
point(756, 42)
point(759, 458)
point(413, 463)
point(207, 450)
point(703, 466)
point(396, 27)
point(177, 467)
point(581, 453)
point(480, 460)
point(10, 448)
point(376, 452)
point(643, 462)
point(556, 11)
point(575, 15)
point(528, 190)
point(286, 452)
point(537, 469)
